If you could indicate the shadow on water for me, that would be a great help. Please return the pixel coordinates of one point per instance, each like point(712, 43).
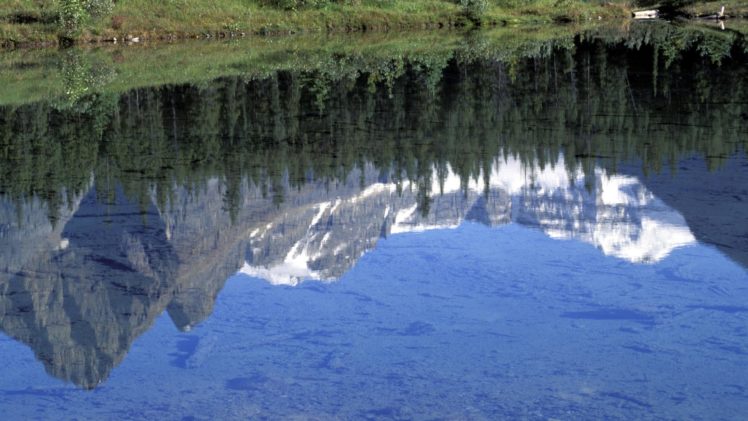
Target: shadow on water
point(117, 206)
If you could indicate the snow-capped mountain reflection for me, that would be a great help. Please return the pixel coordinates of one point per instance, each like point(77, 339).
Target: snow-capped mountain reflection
point(615, 213)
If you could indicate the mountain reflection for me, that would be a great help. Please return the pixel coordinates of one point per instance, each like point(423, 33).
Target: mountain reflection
point(83, 293)
point(617, 214)
point(88, 289)
point(116, 208)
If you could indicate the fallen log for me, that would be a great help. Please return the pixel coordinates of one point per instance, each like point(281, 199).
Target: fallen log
point(646, 14)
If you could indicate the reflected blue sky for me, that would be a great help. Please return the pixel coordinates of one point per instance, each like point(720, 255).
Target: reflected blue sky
point(475, 322)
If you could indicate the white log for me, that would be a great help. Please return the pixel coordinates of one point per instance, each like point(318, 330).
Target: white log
point(646, 14)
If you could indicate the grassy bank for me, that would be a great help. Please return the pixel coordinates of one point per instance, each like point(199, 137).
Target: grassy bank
point(735, 9)
point(26, 22)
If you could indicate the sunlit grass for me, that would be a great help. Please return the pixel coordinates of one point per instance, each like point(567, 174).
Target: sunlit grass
point(200, 18)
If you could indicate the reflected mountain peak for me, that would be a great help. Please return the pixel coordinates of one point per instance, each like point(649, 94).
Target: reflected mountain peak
point(619, 216)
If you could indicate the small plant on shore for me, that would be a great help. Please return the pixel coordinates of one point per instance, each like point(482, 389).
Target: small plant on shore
point(232, 27)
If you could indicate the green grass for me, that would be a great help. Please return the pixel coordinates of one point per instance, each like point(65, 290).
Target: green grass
point(542, 11)
point(181, 17)
point(28, 21)
point(34, 21)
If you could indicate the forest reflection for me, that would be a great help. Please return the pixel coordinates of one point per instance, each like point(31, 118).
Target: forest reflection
point(598, 102)
point(116, 207)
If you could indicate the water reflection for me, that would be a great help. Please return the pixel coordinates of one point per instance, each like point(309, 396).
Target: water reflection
point(95, 282)
point(118, 208)
point(615, 213)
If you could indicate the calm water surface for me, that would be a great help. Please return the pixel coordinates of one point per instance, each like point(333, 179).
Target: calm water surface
point(551, 230)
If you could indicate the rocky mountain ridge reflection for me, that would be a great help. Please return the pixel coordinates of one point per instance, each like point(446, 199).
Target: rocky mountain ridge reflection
point(94, 283)
point(100, 278)
point(617, 214)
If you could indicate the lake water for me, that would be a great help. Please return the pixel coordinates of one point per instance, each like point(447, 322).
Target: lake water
point(512, 225)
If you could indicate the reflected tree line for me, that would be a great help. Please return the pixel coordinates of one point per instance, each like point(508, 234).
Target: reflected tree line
point(602, 101)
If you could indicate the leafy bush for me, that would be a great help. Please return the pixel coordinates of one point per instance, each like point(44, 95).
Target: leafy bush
point(474, 9)
point(72, 15)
